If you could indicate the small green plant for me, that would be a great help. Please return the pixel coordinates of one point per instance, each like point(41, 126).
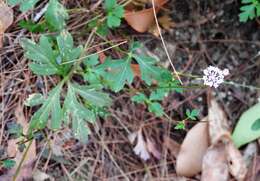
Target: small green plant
point(8, 163)
point(250, 10)
point(190, 115)
point(76, 103)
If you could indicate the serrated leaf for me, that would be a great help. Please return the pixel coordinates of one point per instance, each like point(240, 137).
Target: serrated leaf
point(79, 114)
point(41, 54)
point(156, 108)
point(66, 47)
point(96, 98)
point(109, 4)
point(157, 95)
point(118, 72)
point(180, 125)
point(248, 12)
point(50, 108)
point(149, 71)
point(245, 130)
point(34, 100)
point(56, 15)
point(113, 21)
point(25, 5)
point(139, 98)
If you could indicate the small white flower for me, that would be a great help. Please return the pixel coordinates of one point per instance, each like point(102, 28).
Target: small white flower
point(213, 76)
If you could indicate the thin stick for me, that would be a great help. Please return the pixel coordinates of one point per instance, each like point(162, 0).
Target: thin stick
point(163, 42)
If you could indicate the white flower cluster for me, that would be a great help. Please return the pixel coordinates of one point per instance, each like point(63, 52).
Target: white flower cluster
point(213, 76)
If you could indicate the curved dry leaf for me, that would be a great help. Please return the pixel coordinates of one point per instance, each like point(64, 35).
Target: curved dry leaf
point(140, 149)
point(237, 165)
point(215, 165)
point(218, 124)
point(193, 148)
point(6, 19)
point(142, 20)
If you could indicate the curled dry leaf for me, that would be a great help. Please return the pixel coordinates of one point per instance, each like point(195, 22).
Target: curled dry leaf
point(193, 148)
point(215, 165)
point(140, 148)
point(237, 165)
point(219, 134)
point(142, 20)
point(218, 124)
point(6, 19)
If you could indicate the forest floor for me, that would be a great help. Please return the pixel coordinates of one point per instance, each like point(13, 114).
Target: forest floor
point(205, 32)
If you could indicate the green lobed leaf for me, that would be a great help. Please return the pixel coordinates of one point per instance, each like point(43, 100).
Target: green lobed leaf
point(139, 98)
point(91, 95)
point(79, 114)
point(117, 73)
point(50, 108)
point(41, 54)
point(25, 5)
point(156, 108)
point(149, 71)
point(56, 15)
point(246, 128)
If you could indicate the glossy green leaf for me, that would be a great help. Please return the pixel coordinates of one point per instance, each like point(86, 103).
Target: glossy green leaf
point(246, 128)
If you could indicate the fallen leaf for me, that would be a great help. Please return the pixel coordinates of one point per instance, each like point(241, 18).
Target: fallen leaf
point(237, 165)
point(41, 176)
point(6, 19)
point(218, 124)
point(220, 134)
point(140, 149)
point(254, 170)
point(215, 165)
point(166, 22)
point(193, 148)
point(142, 20)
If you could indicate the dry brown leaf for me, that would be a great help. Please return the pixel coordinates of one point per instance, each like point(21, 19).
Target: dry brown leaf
point(218, 124)
point(142, 20)
point(166, 22)
point(140, 148)
point(6, 19)
point(237, 165)
point(215, 165)
point(172, 145)
point(220, 134)
point(193, 148)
